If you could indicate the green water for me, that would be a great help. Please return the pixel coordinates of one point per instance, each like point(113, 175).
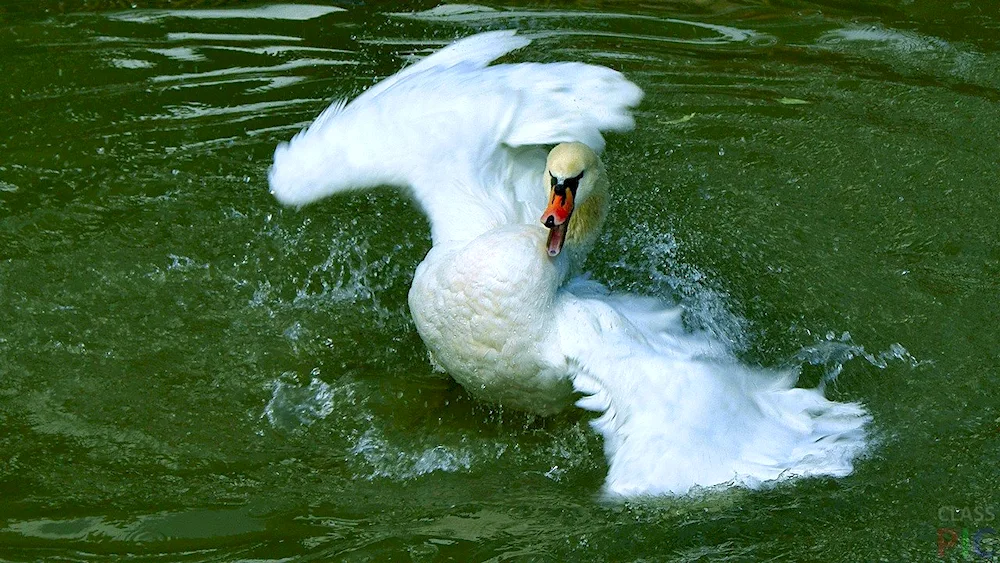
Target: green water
point(189, 372)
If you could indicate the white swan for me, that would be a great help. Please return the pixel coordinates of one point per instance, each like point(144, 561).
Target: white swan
point(500, 305)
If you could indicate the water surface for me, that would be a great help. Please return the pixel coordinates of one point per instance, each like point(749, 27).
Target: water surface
point(190, 372)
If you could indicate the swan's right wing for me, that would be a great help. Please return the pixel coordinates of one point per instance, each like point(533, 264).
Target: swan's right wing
point(462, 136)
point(680, 412)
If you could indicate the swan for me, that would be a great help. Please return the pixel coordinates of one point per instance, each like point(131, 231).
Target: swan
point(501, 300)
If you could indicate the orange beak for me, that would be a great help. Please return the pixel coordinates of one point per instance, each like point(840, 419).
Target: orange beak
point(556, 218)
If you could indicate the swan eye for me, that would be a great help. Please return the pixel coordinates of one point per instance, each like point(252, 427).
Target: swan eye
point(571, 183)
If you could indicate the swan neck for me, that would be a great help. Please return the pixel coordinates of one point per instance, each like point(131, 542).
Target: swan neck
point(588, 220)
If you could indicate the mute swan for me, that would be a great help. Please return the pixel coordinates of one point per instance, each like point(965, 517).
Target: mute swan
point(499, 299)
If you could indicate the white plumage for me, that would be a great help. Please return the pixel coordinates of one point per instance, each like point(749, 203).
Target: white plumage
point(515, 325)
point(462, 136)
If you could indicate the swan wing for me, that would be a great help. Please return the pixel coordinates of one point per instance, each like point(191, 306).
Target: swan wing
point(679, 412)
point(463, 137)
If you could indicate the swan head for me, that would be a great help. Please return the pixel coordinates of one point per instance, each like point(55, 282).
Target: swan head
point(577, 186)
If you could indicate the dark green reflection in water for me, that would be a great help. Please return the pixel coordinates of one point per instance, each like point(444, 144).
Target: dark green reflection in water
point(188, 371)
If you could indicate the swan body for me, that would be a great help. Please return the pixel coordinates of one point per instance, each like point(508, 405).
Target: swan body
point(500, 301)
point(482, 310)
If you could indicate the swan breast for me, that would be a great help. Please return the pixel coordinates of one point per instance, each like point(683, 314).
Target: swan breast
point(484, 311)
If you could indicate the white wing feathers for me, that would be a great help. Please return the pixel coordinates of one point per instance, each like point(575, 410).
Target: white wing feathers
point(679, 413)
point(463, 137)
point(475, 52)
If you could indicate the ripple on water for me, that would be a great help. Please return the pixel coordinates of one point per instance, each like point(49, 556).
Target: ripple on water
point(669, 30)
point(213, 77)
point(292, 12)
point(904, 41)
point(162, 526)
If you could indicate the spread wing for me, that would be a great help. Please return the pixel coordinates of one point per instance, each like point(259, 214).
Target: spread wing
point(680, 412)
point(464, 138)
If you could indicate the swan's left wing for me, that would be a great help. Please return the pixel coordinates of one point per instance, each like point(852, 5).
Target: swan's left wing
point(463, 137)
point(680, 412)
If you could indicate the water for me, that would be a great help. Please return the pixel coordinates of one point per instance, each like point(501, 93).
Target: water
point(190, 372)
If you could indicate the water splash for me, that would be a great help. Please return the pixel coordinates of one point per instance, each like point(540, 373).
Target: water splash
point(293, 405)
point(832, 353)
point(347, 274)
point(705, 307)
point(385, 460)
